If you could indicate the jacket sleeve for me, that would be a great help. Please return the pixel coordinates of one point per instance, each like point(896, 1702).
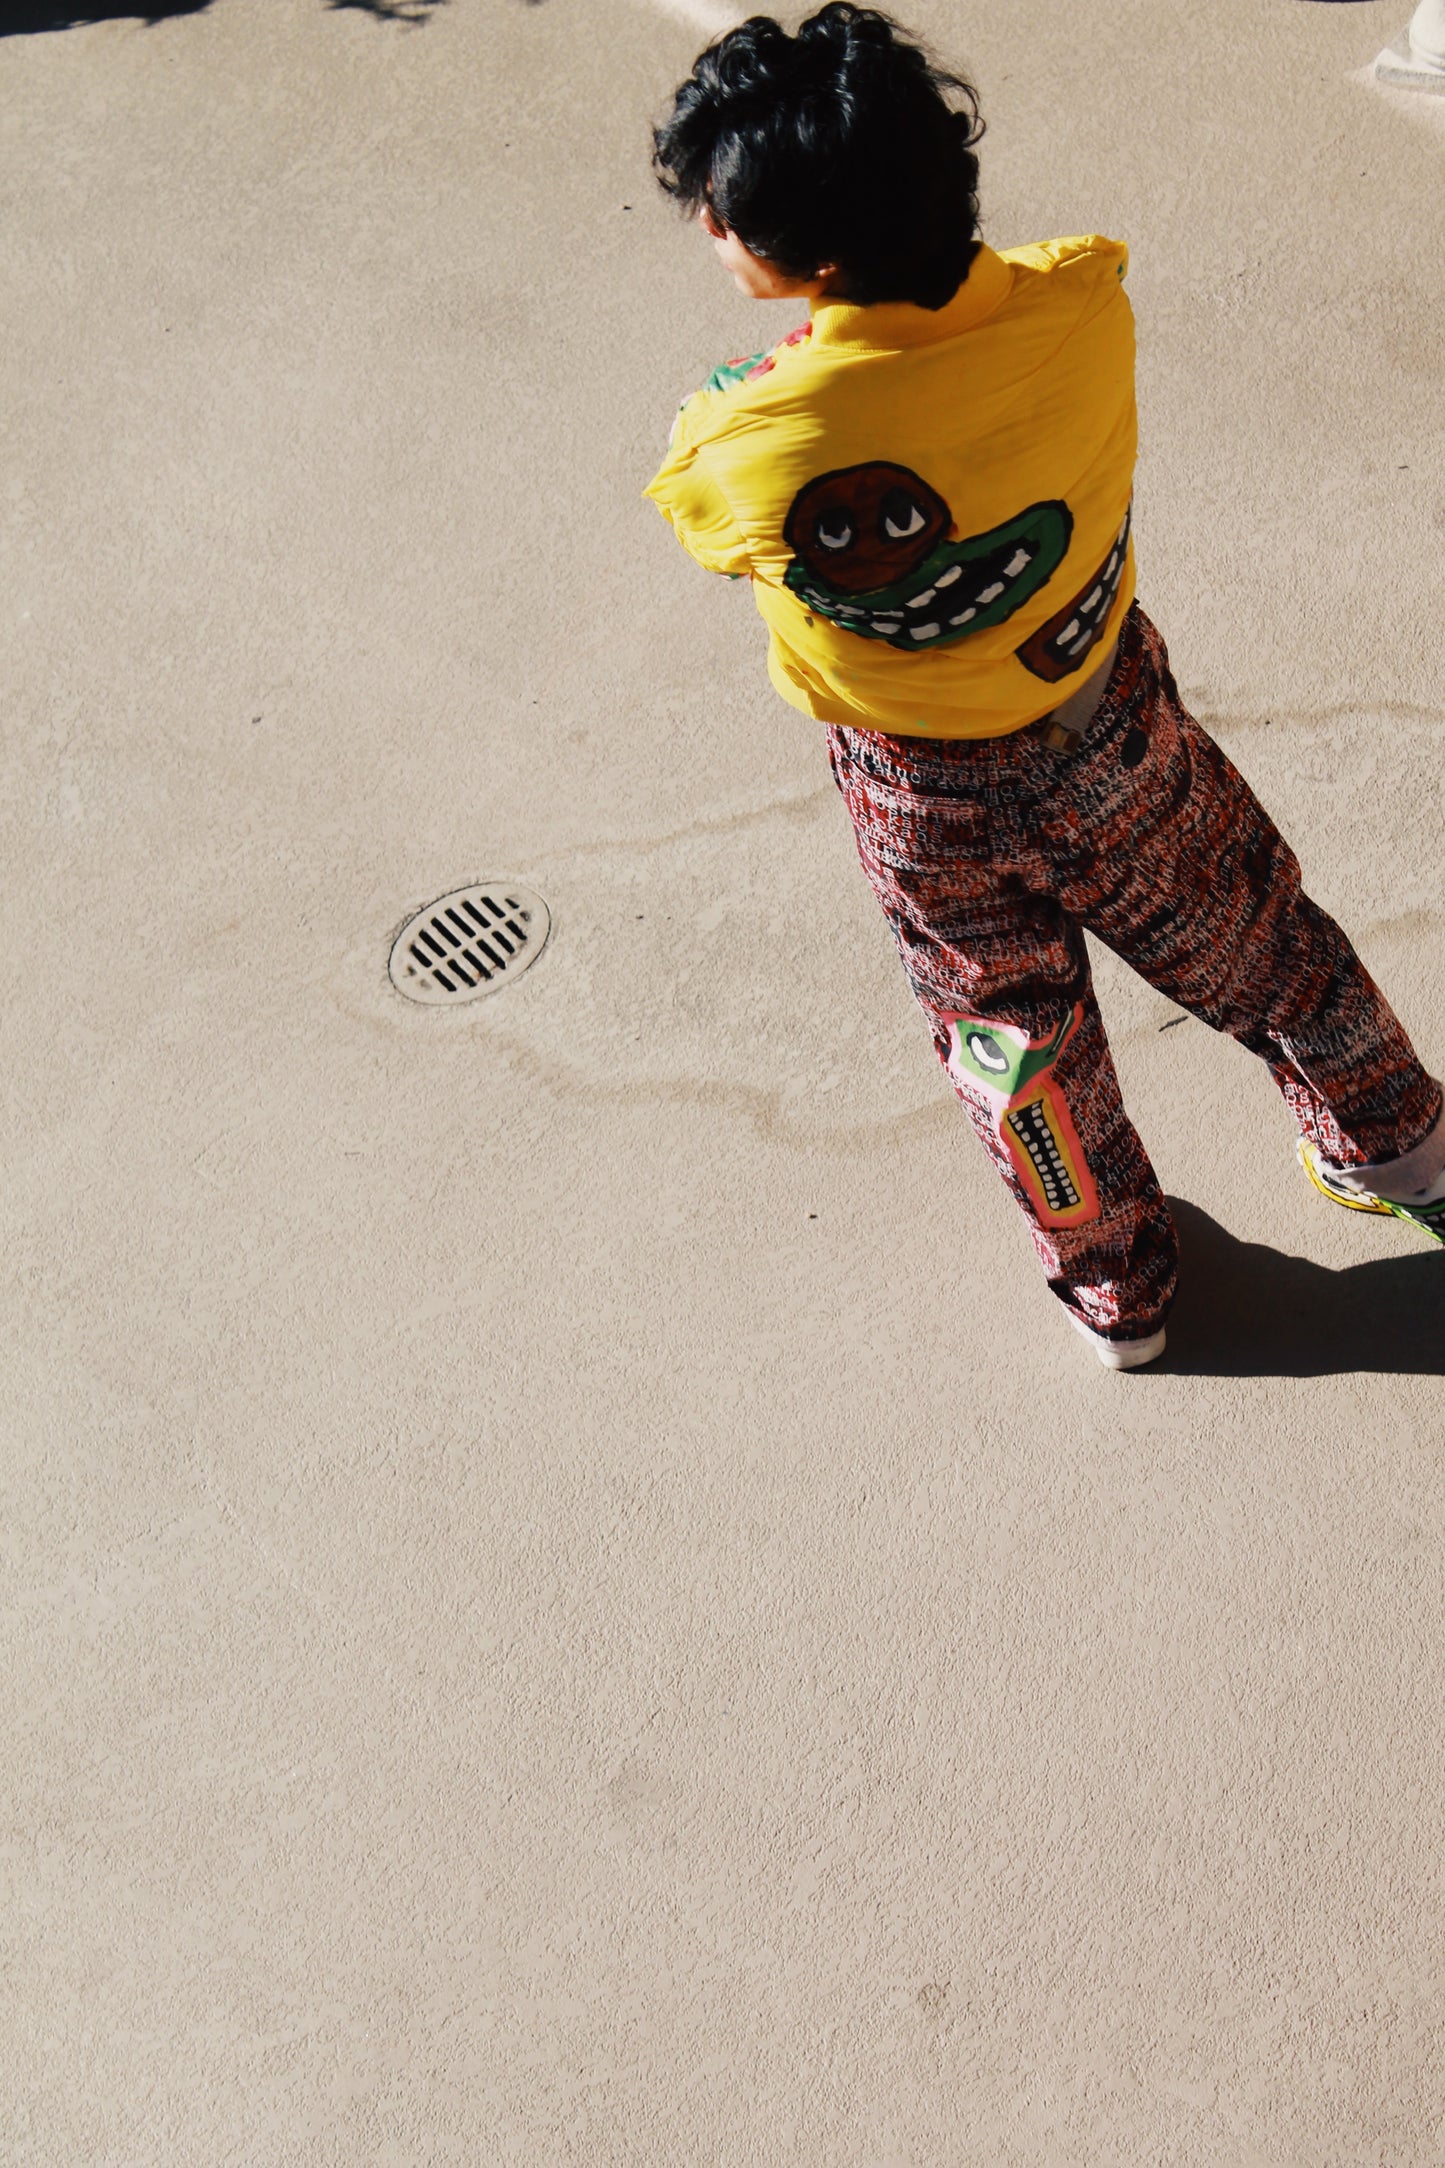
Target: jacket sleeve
point(1106, 256)
point(687, 494)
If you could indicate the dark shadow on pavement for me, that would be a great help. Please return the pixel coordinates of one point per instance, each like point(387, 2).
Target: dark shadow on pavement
point(23, 18)
point(410, 12)
point(1245, 1310)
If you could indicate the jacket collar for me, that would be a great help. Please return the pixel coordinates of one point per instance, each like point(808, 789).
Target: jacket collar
point(842, 326)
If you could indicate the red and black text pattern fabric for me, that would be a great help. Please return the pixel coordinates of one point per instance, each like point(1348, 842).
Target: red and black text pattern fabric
point(989, 857)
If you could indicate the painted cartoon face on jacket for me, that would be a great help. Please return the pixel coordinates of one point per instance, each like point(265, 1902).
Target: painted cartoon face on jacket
point(871, 555)
point(1061, 644)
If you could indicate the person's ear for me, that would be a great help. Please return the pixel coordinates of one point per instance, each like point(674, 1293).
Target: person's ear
point(710, 224)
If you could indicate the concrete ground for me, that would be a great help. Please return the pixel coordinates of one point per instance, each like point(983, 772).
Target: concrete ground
point(569, 1596)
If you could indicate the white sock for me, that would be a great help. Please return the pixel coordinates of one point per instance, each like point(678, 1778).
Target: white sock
point(1417, 1177)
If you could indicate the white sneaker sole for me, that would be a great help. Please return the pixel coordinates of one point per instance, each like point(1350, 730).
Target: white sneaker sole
point(1121, 1354)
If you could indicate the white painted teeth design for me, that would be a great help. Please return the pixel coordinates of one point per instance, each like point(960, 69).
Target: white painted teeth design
point(1068, 632)
point(1090, 600)
point(925, 632)
point(963, 617)
point(916, 602)
point(946, 579)
point(991, 594)
point(1018, 563)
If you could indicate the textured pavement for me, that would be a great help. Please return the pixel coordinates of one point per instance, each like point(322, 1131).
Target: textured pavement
point(567, 1594)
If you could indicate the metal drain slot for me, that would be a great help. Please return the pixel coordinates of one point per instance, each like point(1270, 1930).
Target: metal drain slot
point(469, 943)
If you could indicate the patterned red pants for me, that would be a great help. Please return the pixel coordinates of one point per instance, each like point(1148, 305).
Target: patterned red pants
point(990, 855)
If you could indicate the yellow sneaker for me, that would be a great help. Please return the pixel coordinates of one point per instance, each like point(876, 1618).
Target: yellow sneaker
point(1425, 1210)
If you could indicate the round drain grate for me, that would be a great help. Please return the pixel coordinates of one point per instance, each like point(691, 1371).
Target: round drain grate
point(469, 943)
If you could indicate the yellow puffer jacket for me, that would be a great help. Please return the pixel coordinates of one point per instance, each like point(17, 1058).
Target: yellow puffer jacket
point(932, 505)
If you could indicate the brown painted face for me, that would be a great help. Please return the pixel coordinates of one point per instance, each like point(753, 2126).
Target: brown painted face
point(865, 527)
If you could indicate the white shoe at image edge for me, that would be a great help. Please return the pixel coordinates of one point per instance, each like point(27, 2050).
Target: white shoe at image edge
point(1120, 1354)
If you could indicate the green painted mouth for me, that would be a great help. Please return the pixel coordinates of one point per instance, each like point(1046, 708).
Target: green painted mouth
point(959, 589)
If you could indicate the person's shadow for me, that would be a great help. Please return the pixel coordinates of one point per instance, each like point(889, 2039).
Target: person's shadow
point(1248, 1311)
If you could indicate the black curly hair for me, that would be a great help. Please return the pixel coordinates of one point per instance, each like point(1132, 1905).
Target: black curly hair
point(845, 144)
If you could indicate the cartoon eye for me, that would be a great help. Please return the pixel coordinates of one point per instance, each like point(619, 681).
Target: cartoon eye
point(987, 1053)
point(835, 529)
point(901, 516)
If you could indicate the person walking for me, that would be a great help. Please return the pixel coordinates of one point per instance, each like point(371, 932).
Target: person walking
point(929, 484)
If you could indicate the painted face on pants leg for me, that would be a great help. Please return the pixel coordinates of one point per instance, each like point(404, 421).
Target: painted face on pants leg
point(1014, 1074)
